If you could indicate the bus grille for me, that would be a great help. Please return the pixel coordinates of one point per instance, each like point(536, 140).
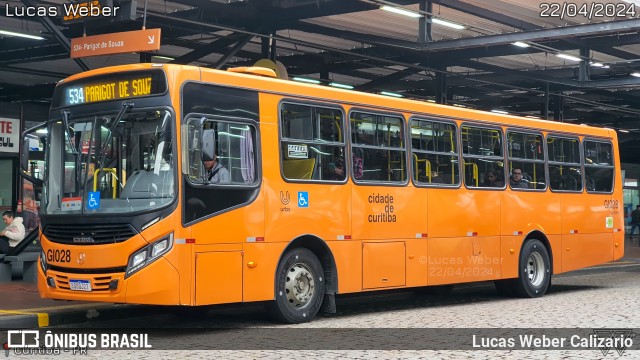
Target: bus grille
point(98, 283)
point(83, 234)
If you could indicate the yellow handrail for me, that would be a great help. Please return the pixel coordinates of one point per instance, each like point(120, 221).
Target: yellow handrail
point(427, 166)
point(114, 181)
point(475, 171)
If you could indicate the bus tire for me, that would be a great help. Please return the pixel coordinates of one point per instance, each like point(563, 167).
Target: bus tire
point(299, 287)
point(535, 270)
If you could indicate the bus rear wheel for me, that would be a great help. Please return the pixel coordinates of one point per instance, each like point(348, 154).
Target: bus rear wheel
point(299, 287)
point(535, 270)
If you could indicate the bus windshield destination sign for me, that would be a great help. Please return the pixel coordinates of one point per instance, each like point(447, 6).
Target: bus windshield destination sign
point(110, 88)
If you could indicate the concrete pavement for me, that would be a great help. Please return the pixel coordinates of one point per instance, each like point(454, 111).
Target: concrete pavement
point(21, 306)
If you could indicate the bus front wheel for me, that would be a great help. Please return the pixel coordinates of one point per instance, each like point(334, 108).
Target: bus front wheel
point(299, 287)
point(535, 270)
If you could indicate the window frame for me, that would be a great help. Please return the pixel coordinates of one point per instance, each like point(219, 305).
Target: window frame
point(257, 151)
point(550, 163)
point(612, 166)
point(457, 154)
point(403, 122)
point(282, 139)
point(497, 158)
point(544, 161)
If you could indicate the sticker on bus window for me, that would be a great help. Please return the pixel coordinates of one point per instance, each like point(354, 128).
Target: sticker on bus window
point(93, 200)
point(71, 204)
point(609, 222)
point(298, 152)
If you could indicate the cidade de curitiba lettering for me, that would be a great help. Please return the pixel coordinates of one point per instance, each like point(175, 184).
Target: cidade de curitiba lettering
point(387, 215)
point(68, 11)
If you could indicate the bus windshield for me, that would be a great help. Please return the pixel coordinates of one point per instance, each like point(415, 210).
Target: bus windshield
point(116, 163)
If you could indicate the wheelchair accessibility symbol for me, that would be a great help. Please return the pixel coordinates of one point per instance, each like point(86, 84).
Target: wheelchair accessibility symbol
point(303, 199)
point(93, 201)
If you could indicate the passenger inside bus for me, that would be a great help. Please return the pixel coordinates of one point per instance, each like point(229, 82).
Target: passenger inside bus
point(491, 179)
point(335, 170)
point(517, 181)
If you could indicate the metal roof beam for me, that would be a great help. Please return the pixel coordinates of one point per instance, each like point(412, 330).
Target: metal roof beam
point(52, 28)
point(204, 50)
point(535, 35)
point(487, 14)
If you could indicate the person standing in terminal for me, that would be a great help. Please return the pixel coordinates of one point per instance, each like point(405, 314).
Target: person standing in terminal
point(13, 233)
point(635, 221)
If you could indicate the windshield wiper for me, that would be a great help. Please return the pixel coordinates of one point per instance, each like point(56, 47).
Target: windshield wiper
point(67, 135)
point(126, 107)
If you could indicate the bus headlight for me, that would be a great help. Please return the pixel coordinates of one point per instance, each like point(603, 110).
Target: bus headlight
point(43, 262)
point(148, 254)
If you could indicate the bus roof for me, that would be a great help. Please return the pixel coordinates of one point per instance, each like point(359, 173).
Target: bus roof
point(353, 98)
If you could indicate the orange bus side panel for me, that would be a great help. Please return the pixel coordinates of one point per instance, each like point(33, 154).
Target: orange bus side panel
point(218, 277)
point(348, 258)
point(509, 256)
point(258, 282)
point(582, 250)
point(381, 213)
point(460, 260)
point(523, 212)
point(383, 264)
point(155, 284)
point(456, 213)
point(417, 267)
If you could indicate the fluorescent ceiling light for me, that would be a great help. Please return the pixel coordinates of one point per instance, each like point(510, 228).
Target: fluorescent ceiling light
point(342, 86)
point(636, 74)
point(499, 111)
point(42, 131)
point(447, 23)
point(568, 57)
point(521, 44)
point(27, 36)
point(400, 11)
point(310, 81)
point(388, 93)
point(596, 64)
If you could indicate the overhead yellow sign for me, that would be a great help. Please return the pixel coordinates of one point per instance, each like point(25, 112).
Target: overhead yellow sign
point(116, 43)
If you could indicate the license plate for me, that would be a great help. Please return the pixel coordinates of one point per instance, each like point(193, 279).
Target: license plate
point(80, 285)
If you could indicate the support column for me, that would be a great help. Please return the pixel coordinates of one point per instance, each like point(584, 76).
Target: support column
point(584, 73)
point(441, 88)
point(424, 24)
point(558, 108)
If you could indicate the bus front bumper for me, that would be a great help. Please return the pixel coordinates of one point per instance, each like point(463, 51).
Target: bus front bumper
point(157, 283)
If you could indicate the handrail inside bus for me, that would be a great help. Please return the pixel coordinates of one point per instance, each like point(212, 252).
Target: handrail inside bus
point(114, 182)
point(475, 170)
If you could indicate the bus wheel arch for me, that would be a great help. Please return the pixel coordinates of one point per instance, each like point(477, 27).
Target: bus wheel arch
point(520, 286)
point(305, 276)
point(534, 270)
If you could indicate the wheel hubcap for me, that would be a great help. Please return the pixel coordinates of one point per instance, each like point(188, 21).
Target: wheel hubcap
point(535, 269)
point(300, 285)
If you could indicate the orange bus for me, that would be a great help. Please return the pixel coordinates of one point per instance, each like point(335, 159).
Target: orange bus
point(179, 185)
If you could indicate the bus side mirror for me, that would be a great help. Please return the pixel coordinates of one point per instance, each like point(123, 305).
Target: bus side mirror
point(208, 144)
point(30, 153)
point(24, 154)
